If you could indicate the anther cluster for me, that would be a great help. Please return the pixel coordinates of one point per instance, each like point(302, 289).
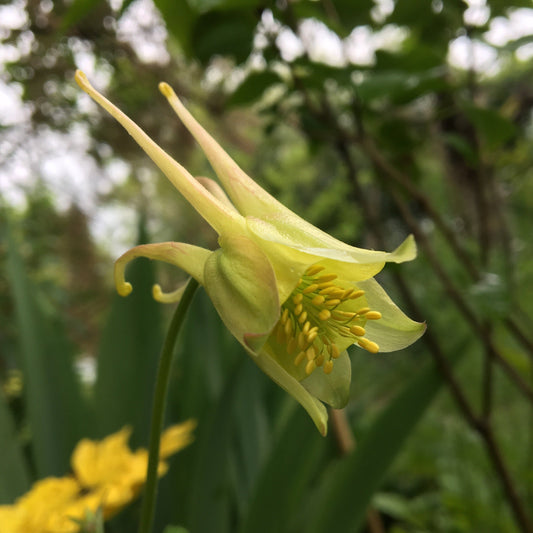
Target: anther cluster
point(313, 317)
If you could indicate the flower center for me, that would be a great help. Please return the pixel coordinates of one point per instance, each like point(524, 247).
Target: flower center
point(313, 318)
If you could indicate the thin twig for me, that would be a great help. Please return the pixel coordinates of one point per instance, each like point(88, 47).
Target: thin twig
point(346, 444)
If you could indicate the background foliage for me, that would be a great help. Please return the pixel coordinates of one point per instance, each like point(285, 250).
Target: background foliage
point(357, 116)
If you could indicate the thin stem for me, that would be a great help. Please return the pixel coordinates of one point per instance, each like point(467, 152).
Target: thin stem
point(346, 444)
point(158, 408)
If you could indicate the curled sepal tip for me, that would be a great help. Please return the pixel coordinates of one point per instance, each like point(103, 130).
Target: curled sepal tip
point(168, 297)
point(187, 257)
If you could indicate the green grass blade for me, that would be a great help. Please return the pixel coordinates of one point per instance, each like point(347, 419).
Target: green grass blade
point(294, 458)
point(127, 358)
point(56, 414)
point(14, 477)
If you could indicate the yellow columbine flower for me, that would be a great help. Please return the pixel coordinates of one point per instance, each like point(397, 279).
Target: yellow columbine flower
point(292, 295)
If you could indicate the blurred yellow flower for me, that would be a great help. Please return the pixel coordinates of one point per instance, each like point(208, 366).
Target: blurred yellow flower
point(107, 475)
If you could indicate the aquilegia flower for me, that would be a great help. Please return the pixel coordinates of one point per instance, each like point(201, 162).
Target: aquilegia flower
point(292, 295)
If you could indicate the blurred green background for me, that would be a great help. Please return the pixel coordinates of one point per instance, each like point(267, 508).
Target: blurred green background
point(373, 119)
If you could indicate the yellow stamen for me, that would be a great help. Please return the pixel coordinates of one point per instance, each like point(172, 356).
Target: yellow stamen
point(370, 346)
point(373, 315)
point(319, 360)
point(327, 277)
point(334, 351)
point(356, 294)
point(315, 269)
point(363, 311)
point(310, 353)
point(309, 367)
point(303, 317)
point(299, 358)
point(347, 293)
point(284, 316)
point(288, 328)
point(312, 288)
point(358, 331)
point(328, 367)
point(328, 290)
point(298, 309)
point(324, 314)
point(333, 302)
point(342, 315)
point(311, 336)
point(306, 327)
point(318, 300)
point(297, 298)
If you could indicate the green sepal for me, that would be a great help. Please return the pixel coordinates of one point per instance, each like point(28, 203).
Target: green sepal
point(242, 286)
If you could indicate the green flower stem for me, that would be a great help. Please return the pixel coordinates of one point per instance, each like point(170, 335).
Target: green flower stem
point(158, 408)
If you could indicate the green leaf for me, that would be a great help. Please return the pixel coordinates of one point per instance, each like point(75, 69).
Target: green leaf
point(128, 356)
point(294, 459)
point(211, 486)
point(252, 88)
point(179, 19)
point(493, 128)
point(202, 6)
point(347, 489)
point(203, 363)
point(56, 414)
point(77, 10)
point(14, 477)
point(224, 33)
point(175, 529)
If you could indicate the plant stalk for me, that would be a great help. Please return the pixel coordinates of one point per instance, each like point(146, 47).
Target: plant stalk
point(158, 408)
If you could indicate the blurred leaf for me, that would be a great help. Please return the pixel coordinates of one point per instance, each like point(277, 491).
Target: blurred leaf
point(179, 19)
point(383, 84)
point(211, 504)
point(351, 14)
point(128, 356)
point(462, 146)
point(395, 506)
point(314, 75)
point(251, 430)
point(175, 529)
point(56, 414)
point(501, 7)
point(491, 126)
point(224, 33)
point(77, 11)
point(203, 6)
point(347, 489)
point(14, 477)
point(295, 456)
point(252, 88)
point(201, 366)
